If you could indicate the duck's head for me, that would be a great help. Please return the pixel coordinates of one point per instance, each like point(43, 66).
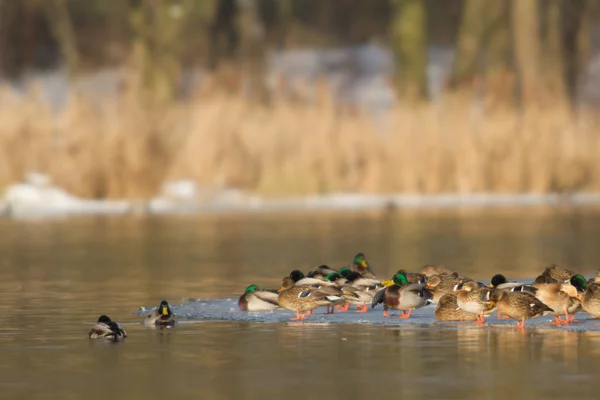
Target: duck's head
point(164, 309)
point(287, 283)
point(251, 289)
point(360, 264)
point(400, 279)
point(352, 276)
point(296, 275)
point(497, 279)
point(345, 272)
point(334, 276)
point(447, 299)
point(433, 281)
point(104, 320)
point(580, 283)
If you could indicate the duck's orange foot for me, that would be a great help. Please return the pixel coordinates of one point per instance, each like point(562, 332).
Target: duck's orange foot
point(362, 309)
point(405, 315)
point(341, 308)
point(299, 316)
point(500, 316)
point(385, 314)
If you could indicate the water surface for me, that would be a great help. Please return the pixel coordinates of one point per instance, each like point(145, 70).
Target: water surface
point(59, 275)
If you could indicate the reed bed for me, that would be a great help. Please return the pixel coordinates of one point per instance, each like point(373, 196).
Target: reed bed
point(122, 149)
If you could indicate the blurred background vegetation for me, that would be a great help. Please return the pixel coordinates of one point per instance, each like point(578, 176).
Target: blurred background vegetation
point(302, 96)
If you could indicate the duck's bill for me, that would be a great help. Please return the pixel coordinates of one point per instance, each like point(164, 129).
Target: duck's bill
point(281, 289)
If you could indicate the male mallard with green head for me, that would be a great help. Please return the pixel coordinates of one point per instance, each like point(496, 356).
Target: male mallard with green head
point(520, 306)
point(163, 316)
point(360, 265)
point(402, 296)
point(447, 310)
point(303, 299)
point(255, 299)
point(107, 329)
point(588, 293)
point(475, 298)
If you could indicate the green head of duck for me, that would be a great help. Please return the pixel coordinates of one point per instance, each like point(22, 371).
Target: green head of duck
point(296, 275)
point(400, 279)
point(333, 277)
point(250, 289)
point(579, 282)
point(498, 279)
point(164, 308)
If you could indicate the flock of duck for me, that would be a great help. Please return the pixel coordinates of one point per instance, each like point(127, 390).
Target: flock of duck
point(555, 292)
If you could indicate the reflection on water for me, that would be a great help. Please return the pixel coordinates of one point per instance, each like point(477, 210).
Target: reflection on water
point(59, 275)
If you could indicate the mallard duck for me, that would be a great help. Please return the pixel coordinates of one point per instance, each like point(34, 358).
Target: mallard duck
point(360, 265)
point(161, 316)
point(500, 282)
point(561, 298)
point(362, 290)
point(321, 272)
point(305, 298)
point(402, 296)
point(300, 279)
point(520, 306)
point(413, 277)
point(255, 299)
point(588, 293)
point(475, 298)
point(440, 285)
point(430, 270)
point(559, 274)
point(447, 310)
point(105, 328)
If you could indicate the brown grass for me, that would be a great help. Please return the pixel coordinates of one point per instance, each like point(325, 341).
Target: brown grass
point(122, 149)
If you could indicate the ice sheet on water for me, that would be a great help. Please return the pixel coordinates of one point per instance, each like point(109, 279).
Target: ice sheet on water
point(226, 309)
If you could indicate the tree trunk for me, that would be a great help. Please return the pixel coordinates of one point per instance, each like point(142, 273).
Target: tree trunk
point(553, 50)
point(525, 25)
point(253, 51)
point(499, 82)
point(575, 42)
point(409, 41)
point(470, 38)
point(60, 23)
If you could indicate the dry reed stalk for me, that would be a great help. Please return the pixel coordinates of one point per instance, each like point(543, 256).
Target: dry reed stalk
point(125, 149)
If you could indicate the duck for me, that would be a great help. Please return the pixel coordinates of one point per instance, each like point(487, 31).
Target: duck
point(321, 272)
point(500, 282)
point(588, 293)
point(447, 310)
point(402, 296)
point(361, 289)
point(162, 316)
point(430, 270)
point(559, 274)
point(107, 329)
point(475, 298)
point(255, 299)
point(362, 266)
point(561, 298)
point(300, 279)
point(520, 306)
point(413, 277)
point(439, 285)
point(304, 298)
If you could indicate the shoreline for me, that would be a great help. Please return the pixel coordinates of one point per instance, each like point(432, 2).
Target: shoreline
point(333, 202)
